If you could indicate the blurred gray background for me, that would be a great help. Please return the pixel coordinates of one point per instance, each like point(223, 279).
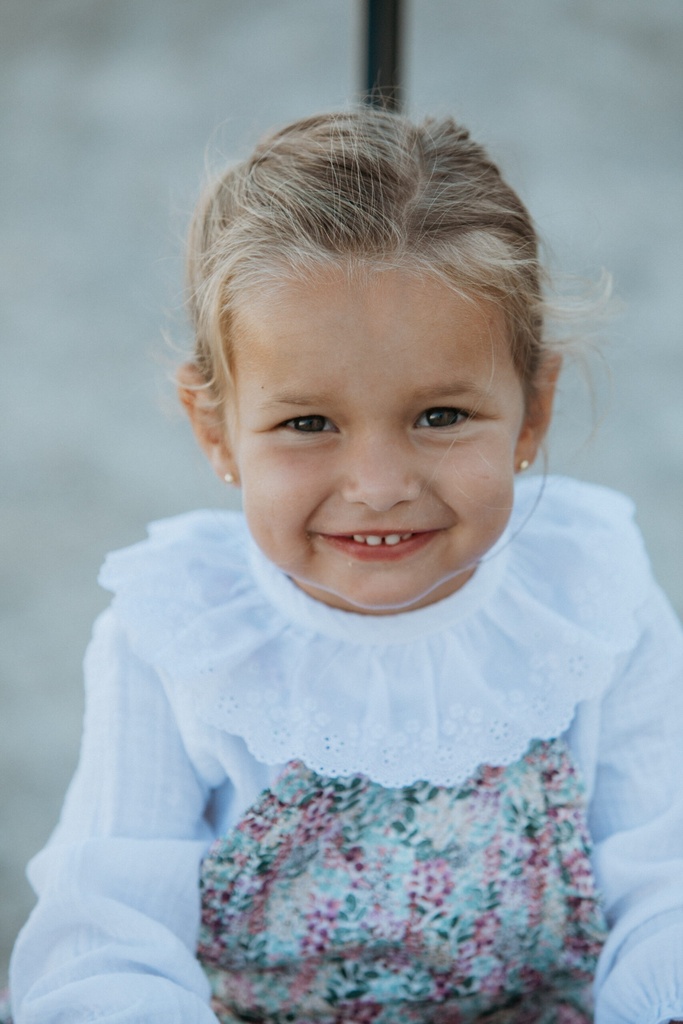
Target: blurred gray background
point(106, 110)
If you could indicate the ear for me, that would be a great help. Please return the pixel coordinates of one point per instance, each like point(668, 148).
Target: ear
point(539, 411)
point(209, 428)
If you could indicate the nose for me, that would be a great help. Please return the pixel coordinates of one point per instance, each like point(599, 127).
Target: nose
point(380, 472)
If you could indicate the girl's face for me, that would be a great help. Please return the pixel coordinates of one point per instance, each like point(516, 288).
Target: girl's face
point(375, 432)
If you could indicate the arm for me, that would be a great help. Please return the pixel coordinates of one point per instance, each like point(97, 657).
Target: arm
point(637, 825)
point(114, 931)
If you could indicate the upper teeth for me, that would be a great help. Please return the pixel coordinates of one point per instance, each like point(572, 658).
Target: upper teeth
point(373, 539)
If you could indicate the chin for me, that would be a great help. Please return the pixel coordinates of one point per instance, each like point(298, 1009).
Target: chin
point(383, 603)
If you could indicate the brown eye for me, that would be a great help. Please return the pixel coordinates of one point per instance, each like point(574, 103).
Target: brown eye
point(439, 417)
point(309, 424)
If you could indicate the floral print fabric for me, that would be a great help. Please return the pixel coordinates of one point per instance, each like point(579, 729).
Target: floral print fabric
point(339, 901)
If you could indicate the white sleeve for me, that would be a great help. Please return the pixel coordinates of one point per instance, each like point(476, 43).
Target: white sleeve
point(113, 935)
point(637, 825)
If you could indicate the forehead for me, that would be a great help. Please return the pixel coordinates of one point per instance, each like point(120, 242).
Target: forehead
point(335, 320)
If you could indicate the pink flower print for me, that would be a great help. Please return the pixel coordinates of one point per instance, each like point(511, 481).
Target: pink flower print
point(437, 881)
point(320, 924)
point(382, 924)
point(570, 1015)
point(338, 855)
point(237, 988)
point(466, 953)
point(553, 778)
point(363, 1013)
point(260, 820)
point(442, 985)
point(512, 849)
point(446, 1015)
point(354, 858)
point(430, 884)
point(317, 820)
point(537, 877)
point(490, 776)
point(492, 858)
point(485, 805)
point(536, 908)
point(328, 912)
point(493, 983)
point(486, 929)
point(577, 872)
point(532, 979)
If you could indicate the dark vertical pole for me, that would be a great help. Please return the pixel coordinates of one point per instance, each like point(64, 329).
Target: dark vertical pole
point(383, 27)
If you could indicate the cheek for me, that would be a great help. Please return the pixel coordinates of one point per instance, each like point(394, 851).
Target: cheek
point(279, 493)
point(481, 486)
point(486, 463)
point(287, 474)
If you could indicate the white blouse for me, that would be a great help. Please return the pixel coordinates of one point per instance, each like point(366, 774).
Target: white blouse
point(212, 669)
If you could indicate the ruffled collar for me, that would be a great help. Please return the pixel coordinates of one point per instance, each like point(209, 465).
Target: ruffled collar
point(429, 694)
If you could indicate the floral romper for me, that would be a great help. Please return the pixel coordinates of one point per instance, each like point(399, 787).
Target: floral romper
point(339, 901)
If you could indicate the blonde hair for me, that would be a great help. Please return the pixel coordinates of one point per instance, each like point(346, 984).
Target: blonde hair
point(365, 188)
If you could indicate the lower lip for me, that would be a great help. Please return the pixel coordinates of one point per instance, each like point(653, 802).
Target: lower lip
point(379, 552)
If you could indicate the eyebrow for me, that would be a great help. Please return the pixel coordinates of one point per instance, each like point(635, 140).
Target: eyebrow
point(294, 398)
point(465, 388)
point(428, 392)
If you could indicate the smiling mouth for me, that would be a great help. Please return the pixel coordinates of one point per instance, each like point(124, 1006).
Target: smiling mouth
point(375, 539)
point(380, 545)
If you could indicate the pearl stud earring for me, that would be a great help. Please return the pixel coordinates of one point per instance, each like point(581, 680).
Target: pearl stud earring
point(524, 464)
point(229, 478)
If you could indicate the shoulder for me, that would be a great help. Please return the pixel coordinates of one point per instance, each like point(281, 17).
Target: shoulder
point(569, 530)
point(200, 530)
point(187, 564)
point(580, 545)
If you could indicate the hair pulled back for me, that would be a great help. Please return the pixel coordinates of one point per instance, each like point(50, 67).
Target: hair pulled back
point(367, 189)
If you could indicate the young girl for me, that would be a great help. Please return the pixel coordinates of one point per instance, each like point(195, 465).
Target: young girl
point(401, 744)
